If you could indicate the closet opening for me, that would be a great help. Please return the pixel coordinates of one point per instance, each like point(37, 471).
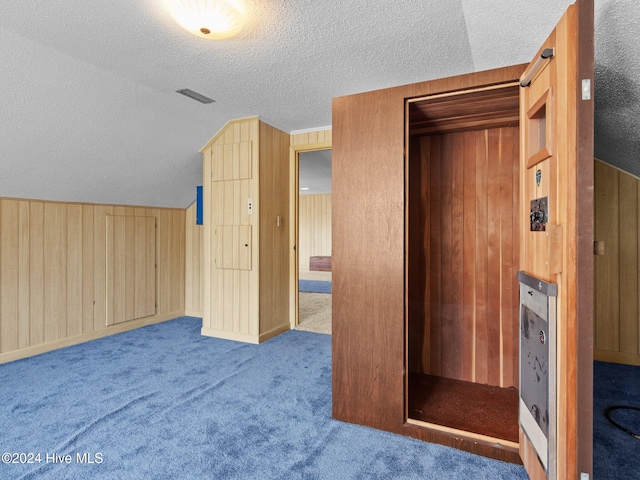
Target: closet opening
point(462, 257)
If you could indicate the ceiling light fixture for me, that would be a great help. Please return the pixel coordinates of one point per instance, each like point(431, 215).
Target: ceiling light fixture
point(210, 19)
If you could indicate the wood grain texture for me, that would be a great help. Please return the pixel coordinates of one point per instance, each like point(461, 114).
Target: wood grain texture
point(571, 207)
point(468, 187)
point(194, 264)
point(246, 294)
point(314, 237)
point(617, 314)
point(53, 270)
point(368, 256)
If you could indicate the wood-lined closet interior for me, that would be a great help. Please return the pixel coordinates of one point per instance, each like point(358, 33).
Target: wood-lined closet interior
point(462, 260)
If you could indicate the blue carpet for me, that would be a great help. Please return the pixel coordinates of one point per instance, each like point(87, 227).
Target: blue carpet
point(163, 402)
point(616, 454)
point(314, 286)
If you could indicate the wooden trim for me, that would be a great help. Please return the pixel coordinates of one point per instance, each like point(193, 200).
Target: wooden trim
point(244, 337)
point(616, 168)
point(470, 436)
point(107, 331)
point(308, 141)
point(616, 357)
point(193, 313)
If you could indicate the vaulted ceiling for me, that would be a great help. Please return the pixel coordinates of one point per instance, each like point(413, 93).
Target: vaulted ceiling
point(89, 113)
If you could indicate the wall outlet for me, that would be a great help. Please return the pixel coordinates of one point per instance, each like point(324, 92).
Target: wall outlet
point(584, 476)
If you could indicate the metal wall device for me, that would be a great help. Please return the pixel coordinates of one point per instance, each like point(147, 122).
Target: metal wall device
point(538, 360)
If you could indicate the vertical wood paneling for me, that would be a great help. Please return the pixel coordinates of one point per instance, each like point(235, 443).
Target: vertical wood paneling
point(607, 267)
point(36, 272)
point(481, 287)
point(435, 275)
point(494, 259)
point(131, 267)
point(87, 268)
point(617, 282)
point(469, 254)
point(446, 239)
point(194, 263)
point(9, 334)
point(99, 266)
point(53, 270)
point(74, 270)
point(468, 294)
point(24, 307)
point(314, 214)
point(245, 295)
point(628, 201)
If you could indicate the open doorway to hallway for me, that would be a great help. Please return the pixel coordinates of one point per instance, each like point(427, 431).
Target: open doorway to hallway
point(314, 241)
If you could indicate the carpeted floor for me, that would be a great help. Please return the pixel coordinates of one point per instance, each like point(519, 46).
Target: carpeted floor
point(164, 402)
point(314, 312)
point(314, 309)
point(616, 454)
point(314, 286)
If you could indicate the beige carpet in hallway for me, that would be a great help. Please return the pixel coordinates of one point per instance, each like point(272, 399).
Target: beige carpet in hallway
point(314, 308)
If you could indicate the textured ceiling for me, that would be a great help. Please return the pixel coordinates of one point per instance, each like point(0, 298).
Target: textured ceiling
point(88, 109)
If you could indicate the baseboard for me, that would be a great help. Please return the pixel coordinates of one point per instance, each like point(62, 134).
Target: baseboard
point(274, 332)
point(193, 313)
point(67, 342)
point(616, 357)
point(245, 337)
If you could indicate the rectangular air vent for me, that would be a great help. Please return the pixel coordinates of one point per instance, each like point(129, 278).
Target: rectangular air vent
point(195, 95)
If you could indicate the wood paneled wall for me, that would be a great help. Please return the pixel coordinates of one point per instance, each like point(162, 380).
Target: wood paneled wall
point(194, 271)
point(314, 217)
point(463, 256)
point(617, 286)
point(246, 279)
point(309, 139)
point(53, 273)
point(274, 237)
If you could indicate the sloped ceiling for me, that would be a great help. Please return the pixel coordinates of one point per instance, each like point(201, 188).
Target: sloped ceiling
point(89, 113)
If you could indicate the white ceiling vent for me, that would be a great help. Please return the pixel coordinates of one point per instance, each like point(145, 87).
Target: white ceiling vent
point(195, 95)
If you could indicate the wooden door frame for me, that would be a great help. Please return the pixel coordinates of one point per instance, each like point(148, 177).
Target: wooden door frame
point(308, 141)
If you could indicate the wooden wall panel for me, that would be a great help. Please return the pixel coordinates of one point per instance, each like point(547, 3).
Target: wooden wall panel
point(617, 312)
point(569, 176)
point(53, 270)
point(314, 234)
point(274, 237)
point(131, 268)
point(468, 305)
point(194, 264)
point(317, 137)
point(246, 293)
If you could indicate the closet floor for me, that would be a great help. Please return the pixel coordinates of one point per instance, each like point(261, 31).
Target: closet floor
point(467, 406)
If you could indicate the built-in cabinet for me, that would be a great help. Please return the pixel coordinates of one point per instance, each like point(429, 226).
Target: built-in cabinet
point(431, 211)
point(246, 235)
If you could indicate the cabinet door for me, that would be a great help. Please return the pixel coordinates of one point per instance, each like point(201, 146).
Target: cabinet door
point(131, 268)
point(556, 170)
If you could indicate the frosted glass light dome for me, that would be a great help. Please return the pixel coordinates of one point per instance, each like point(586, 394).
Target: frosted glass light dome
point(210, 19)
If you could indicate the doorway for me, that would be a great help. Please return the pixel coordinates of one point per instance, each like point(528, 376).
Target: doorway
point(312, 150)
point(314, 241)
point(462, 259)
